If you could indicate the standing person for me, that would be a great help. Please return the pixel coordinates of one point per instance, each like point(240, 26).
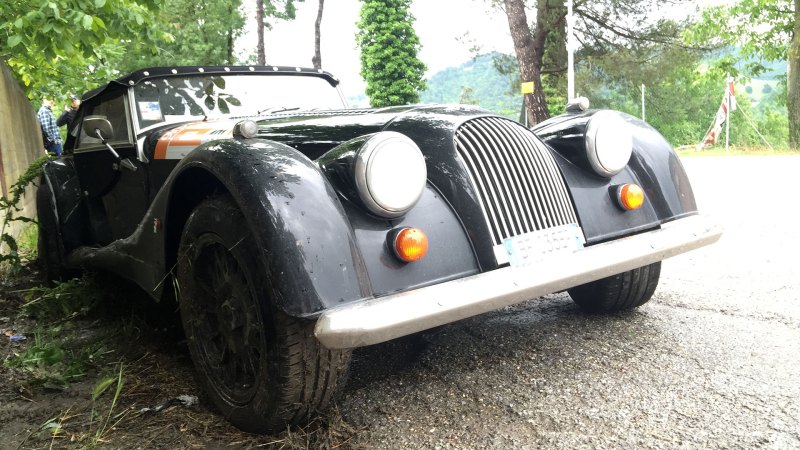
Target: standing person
point(49, 126)
point(68, 115)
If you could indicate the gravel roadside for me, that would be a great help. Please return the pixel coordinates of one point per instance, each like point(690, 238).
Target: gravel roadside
point(710, 362)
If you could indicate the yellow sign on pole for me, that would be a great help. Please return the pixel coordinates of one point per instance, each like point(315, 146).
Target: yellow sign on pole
point(527, 88)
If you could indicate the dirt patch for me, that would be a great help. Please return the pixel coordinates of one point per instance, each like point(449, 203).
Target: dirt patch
point(123, 381)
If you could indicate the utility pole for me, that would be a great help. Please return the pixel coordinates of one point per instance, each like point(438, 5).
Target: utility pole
point(643, 115)
point(728, 114)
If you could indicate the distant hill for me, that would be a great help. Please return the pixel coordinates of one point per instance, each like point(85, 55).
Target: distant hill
point(773, 70)
point(479, 82)
point(476, 82)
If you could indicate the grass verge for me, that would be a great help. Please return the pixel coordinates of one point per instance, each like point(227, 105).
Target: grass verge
point(102, 366)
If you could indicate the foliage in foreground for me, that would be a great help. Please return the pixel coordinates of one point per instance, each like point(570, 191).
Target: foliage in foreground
point(71, 46)
point(50, 45)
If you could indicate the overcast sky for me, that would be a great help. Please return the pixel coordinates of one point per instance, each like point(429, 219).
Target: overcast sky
point(447, 30)
point(440, 24)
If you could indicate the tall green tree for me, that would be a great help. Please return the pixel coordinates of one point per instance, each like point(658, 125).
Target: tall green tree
point(767, 30)
point(50, 45)
point(389, 47)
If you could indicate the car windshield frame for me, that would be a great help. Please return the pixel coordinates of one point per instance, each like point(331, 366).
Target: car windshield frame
point(158, 101)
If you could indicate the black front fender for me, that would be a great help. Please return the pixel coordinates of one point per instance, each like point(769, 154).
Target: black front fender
point(654, 166)
point(302, 231)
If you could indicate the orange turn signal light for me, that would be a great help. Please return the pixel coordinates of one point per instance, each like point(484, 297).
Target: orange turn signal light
point(410, 244)
point(630, 196)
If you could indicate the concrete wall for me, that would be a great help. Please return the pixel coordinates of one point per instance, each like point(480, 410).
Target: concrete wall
point(20, 141)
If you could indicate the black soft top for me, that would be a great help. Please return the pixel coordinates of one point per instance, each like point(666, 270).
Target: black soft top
point(134, 78)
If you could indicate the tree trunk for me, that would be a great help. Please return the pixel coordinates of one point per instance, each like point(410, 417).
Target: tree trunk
point(262, 60)
point(529, 49)
point(317, 59)
point(229, 39)
point(793, 82)
point(229, 55)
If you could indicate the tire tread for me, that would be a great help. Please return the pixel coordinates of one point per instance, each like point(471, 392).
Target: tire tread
point(619, 292)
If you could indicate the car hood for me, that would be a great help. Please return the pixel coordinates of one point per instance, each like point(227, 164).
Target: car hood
point(315, 132)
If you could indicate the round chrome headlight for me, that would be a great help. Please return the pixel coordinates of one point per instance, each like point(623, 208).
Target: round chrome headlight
point(390, 174)
point(609, 142)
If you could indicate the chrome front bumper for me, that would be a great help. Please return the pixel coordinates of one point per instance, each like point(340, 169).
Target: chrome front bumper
point(381, 319)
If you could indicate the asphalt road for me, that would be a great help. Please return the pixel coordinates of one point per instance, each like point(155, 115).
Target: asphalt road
point(710, 362)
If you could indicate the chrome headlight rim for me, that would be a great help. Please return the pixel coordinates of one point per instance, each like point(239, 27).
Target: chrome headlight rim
point(245, 129)
point(609, 143)
point(368, 183)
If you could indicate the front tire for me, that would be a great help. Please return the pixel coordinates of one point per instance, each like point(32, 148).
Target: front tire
point(619, 292)
point(263, 369)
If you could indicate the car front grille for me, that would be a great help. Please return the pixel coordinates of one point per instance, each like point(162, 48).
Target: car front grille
point(520, 187)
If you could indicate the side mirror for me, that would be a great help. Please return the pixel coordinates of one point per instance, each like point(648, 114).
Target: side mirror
point(100, 127)
point(95, 124)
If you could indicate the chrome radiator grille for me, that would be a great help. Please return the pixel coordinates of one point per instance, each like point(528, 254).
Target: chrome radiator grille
point(520, 187)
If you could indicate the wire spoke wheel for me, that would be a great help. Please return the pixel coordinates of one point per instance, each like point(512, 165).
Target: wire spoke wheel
point(227, 320)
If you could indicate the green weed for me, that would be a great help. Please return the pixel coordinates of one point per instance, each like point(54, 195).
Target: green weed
point(27, 242)
point(54, 427)
point(99, 389)
point(63, 428)
point(66, 300)
point(60, 353)
point(47, 363)
point(10, 256)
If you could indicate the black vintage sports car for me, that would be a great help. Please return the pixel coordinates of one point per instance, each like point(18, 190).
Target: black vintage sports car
point(291, 229)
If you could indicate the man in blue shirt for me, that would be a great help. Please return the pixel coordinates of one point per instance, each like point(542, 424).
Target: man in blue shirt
point(49, 127)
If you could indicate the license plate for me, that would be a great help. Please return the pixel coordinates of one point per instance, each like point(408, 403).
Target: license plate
point(532, 248)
